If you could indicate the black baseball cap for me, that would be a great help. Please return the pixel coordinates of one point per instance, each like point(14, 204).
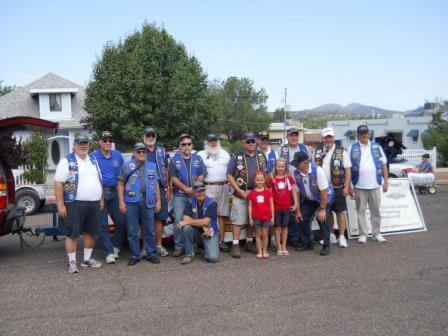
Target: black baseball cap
point(263, 135)
point(299, 157)
point(149, 131)
point(139, 145)
point(362, 129)
point(81, 138)
point(292, 130)
point(249, 136)
point(183, 136)
point(212, 137)
point(198, 186)
point(106, 135)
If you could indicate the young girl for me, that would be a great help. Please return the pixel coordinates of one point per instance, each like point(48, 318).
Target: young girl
point(282, 186)
point(261, 213)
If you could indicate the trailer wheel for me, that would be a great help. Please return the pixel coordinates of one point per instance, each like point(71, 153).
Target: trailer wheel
point(432, 189)
point(28, 199)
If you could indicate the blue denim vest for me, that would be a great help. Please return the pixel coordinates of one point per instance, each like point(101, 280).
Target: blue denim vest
point(182, 170)
point(132, 188)
point(355, 157)
point(207, 202)
point(160, 157)
point(314, 188)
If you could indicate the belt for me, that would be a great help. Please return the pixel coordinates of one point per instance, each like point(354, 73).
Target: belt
point(110, 189)
point(216, 183)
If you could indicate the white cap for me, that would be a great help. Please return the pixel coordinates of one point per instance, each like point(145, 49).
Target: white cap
point(327, 131)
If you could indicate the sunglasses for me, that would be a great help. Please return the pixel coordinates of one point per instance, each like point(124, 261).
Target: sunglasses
point(306, 162)
point(250, 141)
point(107, 140)
point(150, 135)
point(141, 151)
point(293, 134)
point(186, 144)
point(264, 139)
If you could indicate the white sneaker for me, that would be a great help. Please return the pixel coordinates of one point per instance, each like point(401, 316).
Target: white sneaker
point(342, 241)
point(72, 268)
point(143, 253)
point(116, 253)
point(321, 242)
point(379, 238)
point(110, 259)
point(362, 239)
point(333, 239)
point(161, 251)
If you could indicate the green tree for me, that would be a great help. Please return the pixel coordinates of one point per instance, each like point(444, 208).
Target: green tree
point(148, 80)
point(279, 115)
point(239, 107)
point(6, 89)
point(438, 133)
point(36, 157)
point(12, 150)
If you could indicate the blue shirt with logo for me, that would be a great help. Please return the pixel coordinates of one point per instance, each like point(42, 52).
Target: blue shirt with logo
point(110, 167)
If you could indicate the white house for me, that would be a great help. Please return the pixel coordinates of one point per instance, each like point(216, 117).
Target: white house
point(52, 98)
point(409, 130)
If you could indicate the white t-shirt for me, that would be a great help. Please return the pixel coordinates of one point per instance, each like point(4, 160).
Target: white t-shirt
point(89, 185)
point(326, 162)
point(367, 169)
point(216, 165)
point(322, 182)
point(292, 151)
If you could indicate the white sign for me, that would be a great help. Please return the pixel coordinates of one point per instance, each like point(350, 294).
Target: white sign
point(400, 210)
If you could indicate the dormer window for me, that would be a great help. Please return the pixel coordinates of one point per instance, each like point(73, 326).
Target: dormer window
point(55, 102)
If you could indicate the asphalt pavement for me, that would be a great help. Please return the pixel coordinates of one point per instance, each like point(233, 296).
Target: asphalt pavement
point(396, 288)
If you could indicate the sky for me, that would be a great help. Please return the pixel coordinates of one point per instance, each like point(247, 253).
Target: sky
point(390, 54)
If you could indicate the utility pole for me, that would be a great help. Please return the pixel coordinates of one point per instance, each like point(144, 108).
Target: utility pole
point(284, 118)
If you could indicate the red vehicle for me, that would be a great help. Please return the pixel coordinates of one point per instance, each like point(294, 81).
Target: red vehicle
point(11, 217)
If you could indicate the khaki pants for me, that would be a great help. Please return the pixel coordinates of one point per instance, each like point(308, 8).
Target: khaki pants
point(371, 197)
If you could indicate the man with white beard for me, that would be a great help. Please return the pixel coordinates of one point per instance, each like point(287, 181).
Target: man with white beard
point(216, 160)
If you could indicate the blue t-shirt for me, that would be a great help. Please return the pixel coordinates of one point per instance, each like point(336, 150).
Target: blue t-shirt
point(110, 167)
point(211, 212)
point(425, 166)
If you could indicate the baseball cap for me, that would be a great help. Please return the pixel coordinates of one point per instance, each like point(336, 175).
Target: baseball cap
point(81, 138)
point(362, 129)
point(139, 145)
point(183, 136)
point(106, 135)
point(249, 136)
point(149, 131)
point(212, 137)
point(292, 130)
point(299, 157)
point(263, 135)
point(327, 131)
point(198, 186)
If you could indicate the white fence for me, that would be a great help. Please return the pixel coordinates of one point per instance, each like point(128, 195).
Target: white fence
point(18, 176)
point(416, 155)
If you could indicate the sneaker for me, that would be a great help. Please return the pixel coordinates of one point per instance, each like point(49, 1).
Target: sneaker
point(163, 252)
point(116, 253)
point(236, 251)
point(186, 260)
point(333, 239)
point(342, 241)
point(303, 248)
point(325, 250)
point(72, 268)
point(223, 247)
point(92, 263)
point(153, 260)
point(110, 259)
point(143, 253)
point(250, 247)
point(362, 239)
point(379, 238)
point(177, 253)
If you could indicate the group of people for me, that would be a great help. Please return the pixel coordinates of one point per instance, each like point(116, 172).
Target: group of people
point(275, 195)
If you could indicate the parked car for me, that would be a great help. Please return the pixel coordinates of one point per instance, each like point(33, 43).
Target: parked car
point(11, 216)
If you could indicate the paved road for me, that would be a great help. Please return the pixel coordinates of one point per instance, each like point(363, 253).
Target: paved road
point(399, 288)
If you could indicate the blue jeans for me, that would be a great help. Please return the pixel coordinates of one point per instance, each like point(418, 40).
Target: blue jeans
point(192, 235)
point(308, 209)
point(179, 204)
point(139, 214)
point(293, 228)
point(111, 207)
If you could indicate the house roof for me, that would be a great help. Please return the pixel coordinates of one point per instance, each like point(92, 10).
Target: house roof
point(21, 102)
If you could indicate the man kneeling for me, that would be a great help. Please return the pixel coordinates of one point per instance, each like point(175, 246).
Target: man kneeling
point(200, 222)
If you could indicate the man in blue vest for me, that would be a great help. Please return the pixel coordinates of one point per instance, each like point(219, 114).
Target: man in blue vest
point(139, 197)
point(315, 195)
point(79, 198)
point(185, 169)
point(110, 163)
point(240, 174)
point(369, 171)
point(263, 146)
point(287, 152)
point(158, 155)
point(200, 224)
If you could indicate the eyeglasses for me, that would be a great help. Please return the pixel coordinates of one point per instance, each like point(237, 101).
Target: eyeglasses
point(107, 140)
point(251, 141)
point(150, 135)
point(293, 134)
point(186, 144)
point(141, 151)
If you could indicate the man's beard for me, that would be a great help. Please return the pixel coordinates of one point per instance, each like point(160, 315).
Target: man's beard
point(212, 150)
point(150, 142)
